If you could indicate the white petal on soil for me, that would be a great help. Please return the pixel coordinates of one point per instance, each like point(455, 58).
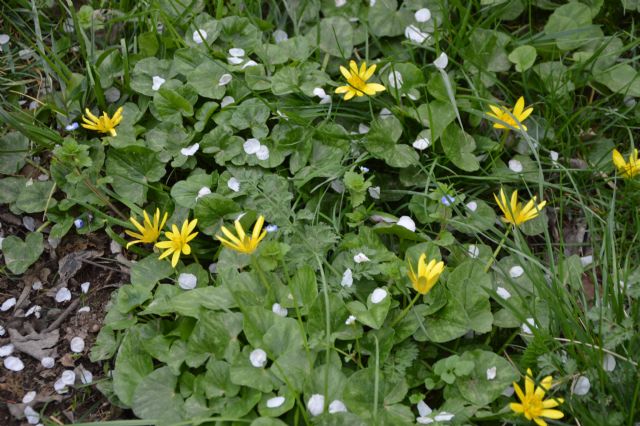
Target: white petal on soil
point(187, 281)
point(199, 36)
point(29, 223)
point(235, 61)
point(279, 36)
point(363, 129)
point(374, 192)
point(63, 295)
point(258, 358)
point(407, 222)
point(47, 362)
point(190, 150)
point(586, 260)
point(34, 310)
point(526, 326)
point(378, 295)
point(421, 144)
point(395, 80)
point(472, 205)
point(114, 247)
point(84, 309)
point(554, 156)
point(8, 304)
point(360, 257)
point(608, 362)
point(444, 417)
point(60, 387)
point(6, 350)
point(385, 113)
point(263, 153)
point(227, 100)
point(491, 373)
point(423, 15)
point(237, 52)
point(2, 331)
point(423, 409)
point(28, 397)
point(337, 406)
point(347, 278)
point(251, 146)
point(581, 386)
point(85, 287)
point(414, 34)
point(32, 415)
point(442, 61)
point(233, 184)
point(77, 344)
point(279, 310)
point(515, 166)
point(350, 320)
point(4, 39)
point(13, 363)
point(316, 404)
point(86, 376)
point(157, 82)
point(473, 251)
point(275, 402)
point(225, 79)
point(516, 271)
point(68, 377)
point(503, 292)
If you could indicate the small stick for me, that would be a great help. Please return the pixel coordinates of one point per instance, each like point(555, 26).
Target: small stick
point(63, 315)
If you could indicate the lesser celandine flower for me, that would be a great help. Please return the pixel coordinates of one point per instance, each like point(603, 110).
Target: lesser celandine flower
point(513, 211)
point(506, 116)
point(150, 231)
point(532, 403)
point(627, 170)
point(104, 123)
point(178, 241)
point(427, 274)
point(243, 243)
point(357, 79)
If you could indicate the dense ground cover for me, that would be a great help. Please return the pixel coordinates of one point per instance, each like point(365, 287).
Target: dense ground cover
point(335, 212)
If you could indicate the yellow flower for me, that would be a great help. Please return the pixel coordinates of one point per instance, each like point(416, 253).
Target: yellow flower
point(243, 243)
point(514, 213)
point(150, 232)
point(427, 275)
point(178, 241)
point(627, 170)
point(503, 114)
point(103, 124)
point(357, 80)
point(532, 405)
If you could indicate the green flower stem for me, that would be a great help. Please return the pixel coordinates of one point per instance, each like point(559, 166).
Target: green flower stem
point(303, 331)
point(497, 250)
point(263, 279)
point(406, 310)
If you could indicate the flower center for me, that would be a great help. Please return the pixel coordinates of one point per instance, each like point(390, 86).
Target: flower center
point(422, 283)
point(533, 406)
point(356, 82)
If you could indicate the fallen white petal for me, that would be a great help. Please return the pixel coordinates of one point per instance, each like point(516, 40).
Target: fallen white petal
point(60, 387)
point(84, 309)
point(364, 169)
point(319, 92)
point(47, 362)
point(235, 61)
point(199, 36)
point(586, 260)
point(157, 82)
point(515, 166)
point(325, 100)
point(187, 281)
point(32, 415)
point(338, 186)
point(473, 251)
point(472, 205)
point(414, 34)
point(225, 79)
point(34, 310)
point(340, 3)
point(112, 94)
point(279, 310)
point(63, 295)
point(581, 386)
point(316, 404)
point(233, 184)
point(13, 363)
point(337, 406)
point(279, 36)
point(609, 363)
point(554, 156)
point(503, 292)
point(6, 350)
point(227, 100)
point(347, 278)
point(423, 409)
point(491, 373)
point(236, 51)
point(360, 257)
point(68, 377)
point(263, 153)
point(443, 417)
point(114, 247)
point(28, 397)
point(374, 192)
point(2, 331)
point(85, 287)
point(203, 192)
point(213, 268)
point(249, 63)
point(8, 304)
point(28, 221)
point(350, 320)
point(275, 402)
point(525, 326)
point(363, 129)
point(407, 222)
point(421, 144)
point(385, 113)
point(258, 358)
point(190, 150)
point(4, 39)
point(395, 80)
point(86, 376)
point(423, 15)
point(516, 271)
point(441, 61)
point(424, 420)
point(378, 295)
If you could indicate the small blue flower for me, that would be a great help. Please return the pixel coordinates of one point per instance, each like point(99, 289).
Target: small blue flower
point(79, 223)
point(364, 169)
point(447, 200)
point(271, 228)
point(71, 127)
